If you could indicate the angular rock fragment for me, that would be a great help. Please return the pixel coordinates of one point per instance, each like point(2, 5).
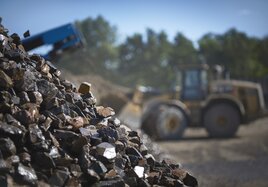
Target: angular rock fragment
point(150, 159)
point(133, 151)
point(44, 160)
point(105, 112)
point(98, 167)
point(120, 146)
point(13, 160)
point(35, 97)
point(7, 147)
point(26, 81)
point(118, 182)
point(4, 168)
point(47, 89)
point(153, 177)
point(5, 80)
point(54, 152)
point(120, 162)
point(84, 88)
point(58, 178)
point(66, 136)
point(143, 150)
point(115, 121)
point(11, 130)
point(108, 134)
point(76, 122)
point(25, 158)
point(26, 174)
point(139, 170)
point(110, 174)
point(47, 123)
point(107, 150)
point(89, 131)
point(24, 98)
point(15, 100)
point(75, 170)
point(26, 117)
point(68, 85)
point(92, 176)
point(172, 163)
point(26, 34)
point(35, 134)
point(189, 180)
point(78, 144)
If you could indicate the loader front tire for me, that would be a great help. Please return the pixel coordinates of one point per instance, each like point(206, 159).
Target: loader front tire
point(166, 123)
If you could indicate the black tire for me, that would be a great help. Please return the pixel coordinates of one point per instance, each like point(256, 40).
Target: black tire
point(165, 123)
point(221, 120)
point(147, 124)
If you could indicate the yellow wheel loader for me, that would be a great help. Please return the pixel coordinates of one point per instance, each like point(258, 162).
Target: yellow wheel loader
point(202, 97)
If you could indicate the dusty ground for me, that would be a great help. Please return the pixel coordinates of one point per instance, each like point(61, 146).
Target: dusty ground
point(239, 161)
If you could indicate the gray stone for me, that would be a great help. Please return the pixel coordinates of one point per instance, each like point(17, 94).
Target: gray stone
point(105, 112)
point(107, 150)
point(54, 152)
point(92, 176)
point(7, 147)
point(35, 97)
point(35, 134)
point(24, 98)
point(118, 182)
point(84, 88)
point(44, 160)
point(58, 178)
point(11, 130)
point(5, 80)
point(89, 131)
point(98, 167)
point(133, 151)
point(47, 89)
point(139, 170)
point(27, 81)
point(25, 158)
point(26, 174)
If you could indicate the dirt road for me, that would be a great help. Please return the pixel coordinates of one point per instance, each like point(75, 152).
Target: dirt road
point(239, 161)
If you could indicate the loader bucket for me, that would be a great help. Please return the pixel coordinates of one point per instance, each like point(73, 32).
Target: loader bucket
point(131, 114)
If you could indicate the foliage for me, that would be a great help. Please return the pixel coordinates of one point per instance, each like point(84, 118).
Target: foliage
point(237, 52)
point(152, 59)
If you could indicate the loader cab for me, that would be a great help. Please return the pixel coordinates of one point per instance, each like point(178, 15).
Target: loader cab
point(194, 85)
point(194, 82)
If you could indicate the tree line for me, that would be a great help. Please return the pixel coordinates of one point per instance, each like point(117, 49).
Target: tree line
point(152, 59)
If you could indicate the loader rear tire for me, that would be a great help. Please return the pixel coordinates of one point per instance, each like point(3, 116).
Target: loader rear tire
point(221, 120)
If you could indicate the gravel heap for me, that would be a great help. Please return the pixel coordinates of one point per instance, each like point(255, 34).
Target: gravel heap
point(53, 134)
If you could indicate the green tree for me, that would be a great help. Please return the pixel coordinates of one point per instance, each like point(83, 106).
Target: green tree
point(235, 51)
point(152, 60)
point(262, 55)
point(210, 48)
point(131, 54)
point(157, 49)
point(145, 61)
point(183, 51)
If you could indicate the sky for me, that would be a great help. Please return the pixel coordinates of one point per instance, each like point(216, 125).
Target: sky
point(193, 18)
